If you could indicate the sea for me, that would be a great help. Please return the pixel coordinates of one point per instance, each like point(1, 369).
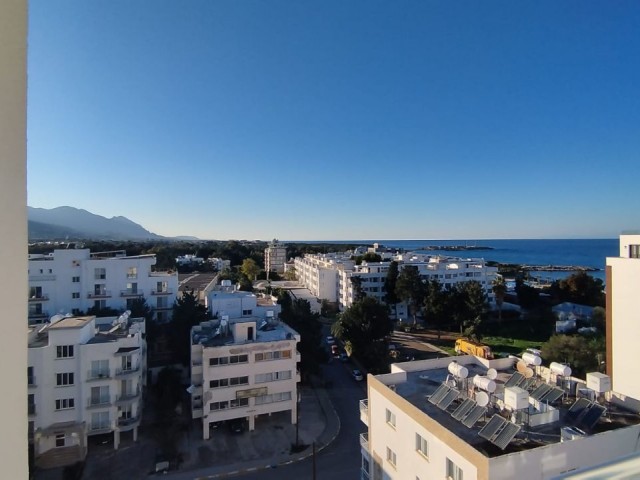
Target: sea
point(568, 252)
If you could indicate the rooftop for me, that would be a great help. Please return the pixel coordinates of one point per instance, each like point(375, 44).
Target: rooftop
point(212, 334)
point(540, 424)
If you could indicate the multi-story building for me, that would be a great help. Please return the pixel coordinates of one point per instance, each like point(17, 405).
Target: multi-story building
point(330, 276)
point(85, 377)
point(75, 280)
point(243, 368)
point(224, 300)
point(219, 264)
point(275, 256)
point(501, 419)
point(622, 325)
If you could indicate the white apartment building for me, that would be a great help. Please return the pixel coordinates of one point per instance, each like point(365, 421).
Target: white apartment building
point(243, 368)
point(85, 377)
point(189, 260)
point(493, 420)
point(329, 276)
point(219, 264)
point(224, 300)
point(75, 280)
point(275, 256)
point(622, 325)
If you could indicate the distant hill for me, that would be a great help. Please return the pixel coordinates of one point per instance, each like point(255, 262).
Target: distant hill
point(74, 223)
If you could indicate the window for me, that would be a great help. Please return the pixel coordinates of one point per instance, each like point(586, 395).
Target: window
point(223, 382)
point(65, 403)
point(75, 311)
point(31, 379)
point(100, 395)
point(276, 397)
point(75, 279)
point(246, 312)
point(239, 359)
point(422, 446)
point(454, 472)
point(75, 295)
point(273, 376)
point(59, 439)
point(100, 420)
point(391, 418)
point(64, 379)
point(99, 368)
point(132, 288)
point(391, 457)
point(132, 272)
point(634, 251)
point(35, 292)
point(240, 402)
point(64, 351)
point(218, 405)
point(100, 274)
point(239, 381)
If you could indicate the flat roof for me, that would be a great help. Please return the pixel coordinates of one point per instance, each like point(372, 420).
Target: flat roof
point(207, 334)
point(422, 384)
point(71, 322)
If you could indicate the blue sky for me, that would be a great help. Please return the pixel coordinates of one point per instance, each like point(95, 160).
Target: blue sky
point(339, 120)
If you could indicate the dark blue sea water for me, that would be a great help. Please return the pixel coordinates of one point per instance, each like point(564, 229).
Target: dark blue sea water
point(578, 252)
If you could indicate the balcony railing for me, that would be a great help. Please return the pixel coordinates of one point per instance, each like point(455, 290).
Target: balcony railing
point(38, 314)
point(364, 407)
point(364, 441)
point(128, 396)
point(100, 426)
point(99, 402)
point(162, 291)
point(42, 278)
point(39, 298)
point(163, 307)
point(130, 293)
point(127, 371)
point(99, 294)
point(125, 422)
point(98, 374)
point(31, 408)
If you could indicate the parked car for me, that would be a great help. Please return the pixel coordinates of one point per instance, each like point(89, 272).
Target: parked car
point(330, 340)
point(236, 425)
point(357, 375)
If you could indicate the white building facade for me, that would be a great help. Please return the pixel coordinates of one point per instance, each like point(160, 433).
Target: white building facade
point(243, 368)
point(86, 376)
point(75, 280)
point(408, 437)
point(275, 256)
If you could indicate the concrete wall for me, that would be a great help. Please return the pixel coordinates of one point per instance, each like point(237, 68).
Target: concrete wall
point(13, 237)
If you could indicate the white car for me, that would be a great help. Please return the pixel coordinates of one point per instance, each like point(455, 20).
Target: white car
point(330, 340)
point(357, 375)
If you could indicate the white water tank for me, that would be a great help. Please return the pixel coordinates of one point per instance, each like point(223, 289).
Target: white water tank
point(458, 370)
point(516, 398)
point(531, 359)
point(560, 369)
point(484, 383)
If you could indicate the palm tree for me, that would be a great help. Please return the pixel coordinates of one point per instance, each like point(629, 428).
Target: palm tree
point(499, 288)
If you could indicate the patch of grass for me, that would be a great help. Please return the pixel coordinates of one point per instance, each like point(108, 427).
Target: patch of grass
point(510, 345)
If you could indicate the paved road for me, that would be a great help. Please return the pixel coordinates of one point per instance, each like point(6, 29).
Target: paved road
point(341, 459)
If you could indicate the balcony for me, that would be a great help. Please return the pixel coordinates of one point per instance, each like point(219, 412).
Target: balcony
point(42, 278)
point(163, 307)
point(31, 409)
point(98, 375)
point(128, 423)
point(162, 291)
point(38, 315)
point(123, 372)
point(100, 427)
point(99, 402)
point(99, 294)
point(39, 298)
point(364, 441)
point(130, 293)
point(129, 396)
point(364, 411)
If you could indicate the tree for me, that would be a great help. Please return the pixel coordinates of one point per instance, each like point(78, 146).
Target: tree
point(390, 296)
point(371, 257)
point(358, 292)
point(362, 327)
point(475, 307)
point(528, 297)
point(140, 309)
point(290, 274)
point(187, 313)
point(499, 288)
point(298, 315)
point(583, 354)
point(579, 288)
point(411, 289)
point(250, 268)
point(435, 305)
point(599, 318)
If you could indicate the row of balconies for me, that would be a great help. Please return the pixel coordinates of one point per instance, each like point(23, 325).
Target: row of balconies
point(107, 426)
point(107, 294)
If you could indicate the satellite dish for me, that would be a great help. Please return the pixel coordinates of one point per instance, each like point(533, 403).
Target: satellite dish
point(492, 374)
point(482, 399)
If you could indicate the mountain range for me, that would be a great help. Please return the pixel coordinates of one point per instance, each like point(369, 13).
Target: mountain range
point(74, 223)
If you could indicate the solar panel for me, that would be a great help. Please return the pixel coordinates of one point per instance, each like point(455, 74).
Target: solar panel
point(514, 380)
point(439, 394)
point(528, 383)
point(464, 408)
point(577, 408)
point(492, 427)
point(553, 395)
point(448, 399)
point(541, 391)
point(473, 416)
point(506, 435)
point(591, 416)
